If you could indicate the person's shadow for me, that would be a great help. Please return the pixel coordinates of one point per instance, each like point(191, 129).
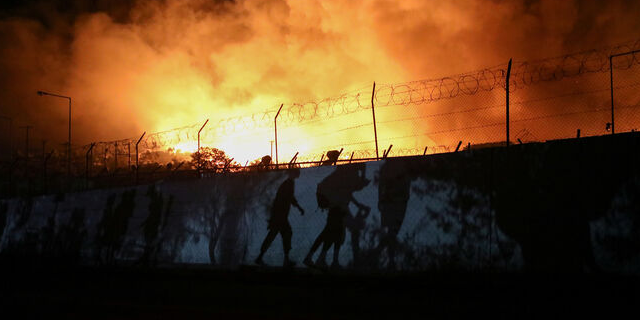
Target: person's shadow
point(334, 194)
point(153, 224)
point(394, 189)
point(279, 220)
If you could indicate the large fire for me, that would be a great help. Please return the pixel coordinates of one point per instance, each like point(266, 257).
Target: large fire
point(167, 64)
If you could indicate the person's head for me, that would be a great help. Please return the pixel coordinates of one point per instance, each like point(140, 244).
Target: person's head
point(293, 173)
point(333, 155)
point(265, 161)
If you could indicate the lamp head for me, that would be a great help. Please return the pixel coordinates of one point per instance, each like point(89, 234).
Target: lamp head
point(40, 93)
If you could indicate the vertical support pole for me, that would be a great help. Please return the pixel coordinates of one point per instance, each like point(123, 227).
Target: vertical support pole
point(275, 125)
point(88, 159)
point(26, 149)
point(205, 123)
point(507, 89)
point(44, 145)
point(69, 151)
point(373, 111)
point(44, 165)
point(386, 153)
point(129, 153)
point(104, 160)
point(115, 157)
point(425, 150)
point(199, 164)
point(613, 128)
point(293, 160)
point(137, 163)
point(10, 146)
point(26, 158)
point(44, 172)
point(11, 151)
point(351, 158)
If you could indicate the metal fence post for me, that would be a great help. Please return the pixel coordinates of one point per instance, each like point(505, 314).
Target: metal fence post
point(205, 123)
point(86, 160)
point(373, 111)
point(199, 164)
point(507, 89)
point(137, 163)
point(10, 149)
point(275, 125)
point(613, 130)
point(613, 124)
point(44, 171)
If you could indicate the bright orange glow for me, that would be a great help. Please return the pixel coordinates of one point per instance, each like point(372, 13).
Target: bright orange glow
point(186, 147)
point(174, 63)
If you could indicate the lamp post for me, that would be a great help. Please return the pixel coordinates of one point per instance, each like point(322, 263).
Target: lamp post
point(42, 93)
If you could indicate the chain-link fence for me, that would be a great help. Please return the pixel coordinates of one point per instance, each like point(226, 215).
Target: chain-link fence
point(556, 98)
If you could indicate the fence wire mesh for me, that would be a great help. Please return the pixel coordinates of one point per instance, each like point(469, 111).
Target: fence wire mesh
point(555, 98)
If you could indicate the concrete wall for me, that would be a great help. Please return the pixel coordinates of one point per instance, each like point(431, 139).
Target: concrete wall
point(567, 205)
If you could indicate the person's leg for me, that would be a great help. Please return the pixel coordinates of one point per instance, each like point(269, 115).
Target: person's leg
point(308, 259)
point(392, 246)
point(286, 245)
point(265, 245)
point(322, 258)
point(336, 254)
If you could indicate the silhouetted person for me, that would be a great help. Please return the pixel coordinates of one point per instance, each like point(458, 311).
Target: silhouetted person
point(102, 237)
point(279, 221)
point(151, 225)
point(332, 158)
point(394, 188)
point(113, 226)
point(24, 212)
point(355, 224)
point(334, 194)
point(72, 236)
point(264, 163)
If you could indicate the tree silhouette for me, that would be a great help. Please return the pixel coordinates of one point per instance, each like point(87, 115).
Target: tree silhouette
point(208, 158)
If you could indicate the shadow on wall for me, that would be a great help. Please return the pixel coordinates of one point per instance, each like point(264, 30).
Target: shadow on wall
point(617, 235)
point(279, 220)
point(71, 238)
point(334, 194)
point(544, 197)
point(394, 189)
point(224, 222)
point(154, 227)
point(549, 194)
point(112, 228)
point(53, 242)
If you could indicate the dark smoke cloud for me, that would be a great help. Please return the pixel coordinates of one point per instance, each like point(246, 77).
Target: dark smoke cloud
point(150, 65)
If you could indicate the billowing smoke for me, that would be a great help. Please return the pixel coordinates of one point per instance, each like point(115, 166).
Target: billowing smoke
point(154, 65)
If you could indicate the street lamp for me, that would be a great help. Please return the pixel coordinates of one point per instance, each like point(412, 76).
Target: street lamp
point(42, 93)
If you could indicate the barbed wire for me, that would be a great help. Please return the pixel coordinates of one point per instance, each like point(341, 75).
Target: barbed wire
point(417, 92)
point(432, 90)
